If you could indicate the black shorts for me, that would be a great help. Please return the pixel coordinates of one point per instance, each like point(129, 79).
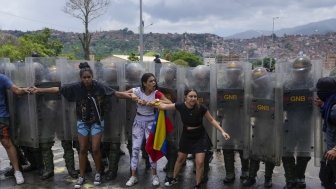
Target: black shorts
point(4, 127)
point(194, 141)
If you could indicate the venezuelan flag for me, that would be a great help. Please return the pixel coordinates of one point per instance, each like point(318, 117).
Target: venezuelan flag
point(156, 145)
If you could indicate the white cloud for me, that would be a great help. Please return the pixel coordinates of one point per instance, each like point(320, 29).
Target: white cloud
point(222, 17)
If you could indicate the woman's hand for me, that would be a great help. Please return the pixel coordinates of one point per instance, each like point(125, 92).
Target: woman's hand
point(225, 135)
point(154, 103)
point(33, 90)
point(318, 102)
point(330, 155)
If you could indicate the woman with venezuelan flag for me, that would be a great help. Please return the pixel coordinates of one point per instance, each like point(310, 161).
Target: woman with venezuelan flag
point(194, 139)
point(143, 121)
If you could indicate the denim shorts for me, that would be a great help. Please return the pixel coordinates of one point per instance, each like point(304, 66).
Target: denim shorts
point(85, 129)
point(4, 127)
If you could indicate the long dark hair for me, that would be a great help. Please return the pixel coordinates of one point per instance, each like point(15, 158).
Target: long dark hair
point(145, 78)
point(84, 66)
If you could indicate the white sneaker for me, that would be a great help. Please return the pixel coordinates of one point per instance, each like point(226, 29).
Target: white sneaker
point(132, 181)
point(155, 180)
point(97, 180)
point(80, 182)
point(19, 177)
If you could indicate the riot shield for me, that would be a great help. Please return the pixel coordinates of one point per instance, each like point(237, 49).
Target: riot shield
point(69, 73)
point(167, 79)
point(230, 102)
point(199, 78)
point(133, 74)
point(300, 114)
point(6, 67)
point(24, 118)
point(47, 105)
point(114, 114)
point(264, 111)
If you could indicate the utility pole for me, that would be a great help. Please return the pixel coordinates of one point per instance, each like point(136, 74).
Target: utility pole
point(274, 18)
point(141, 47)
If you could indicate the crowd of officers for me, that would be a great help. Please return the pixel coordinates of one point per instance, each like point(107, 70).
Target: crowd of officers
point(270, 116)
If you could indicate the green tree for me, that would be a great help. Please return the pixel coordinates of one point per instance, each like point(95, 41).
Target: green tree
point(192, 59)
point(268, 63)
point(132, 57)
point(40, 42)
point(181, 62)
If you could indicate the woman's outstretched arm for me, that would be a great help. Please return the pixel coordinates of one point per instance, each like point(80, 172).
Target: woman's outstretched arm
point(215, 124)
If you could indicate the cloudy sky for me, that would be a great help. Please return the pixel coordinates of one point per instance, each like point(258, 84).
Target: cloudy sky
point(221, 17)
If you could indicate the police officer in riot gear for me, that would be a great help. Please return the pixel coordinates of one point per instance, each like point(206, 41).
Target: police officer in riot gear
point(262, 93)
point(298, 112)
point(133, 73)
point(107, 73)
point(232, 111)
point(199, 79)
point(167, 85)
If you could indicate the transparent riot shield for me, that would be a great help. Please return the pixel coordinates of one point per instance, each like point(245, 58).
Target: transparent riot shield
point(6, 67)
point(264, 111)
point(199, 78)
point(47, 105)
point(133, 74)
point(24, 118)
point(167, 82)
point(69, 73)
point(229, 96)
point(300, 114)
point(114, 115)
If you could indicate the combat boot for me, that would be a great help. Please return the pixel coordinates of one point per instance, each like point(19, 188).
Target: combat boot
point(290, 185)
point(249, 182)
point(48, 160)
point(301, 165)
point(69, 158)
point(229, 166)
point(288, 163)
point(113, 157)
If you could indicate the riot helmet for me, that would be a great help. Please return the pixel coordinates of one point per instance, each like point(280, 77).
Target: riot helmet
point(261, 82)
point(201, 76)
point(39, 71)
point(110, 74)
point(133, 72)
point(234, 71)
point(301, 64)
point(301, 69)
point(169, 73)
point(54, 74)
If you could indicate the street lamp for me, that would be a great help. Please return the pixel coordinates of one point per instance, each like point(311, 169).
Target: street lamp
point(274, 18)
point(141, 34)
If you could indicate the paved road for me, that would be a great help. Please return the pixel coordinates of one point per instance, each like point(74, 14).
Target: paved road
point(62, 180)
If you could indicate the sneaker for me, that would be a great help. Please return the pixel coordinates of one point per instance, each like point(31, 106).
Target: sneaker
point(18, 177)
point(155, 180)
point(132, 181)
point(80, 182)
point(170, 181)
point(97, 179)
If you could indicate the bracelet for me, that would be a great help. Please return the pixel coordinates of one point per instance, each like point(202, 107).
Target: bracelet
point(334, 148)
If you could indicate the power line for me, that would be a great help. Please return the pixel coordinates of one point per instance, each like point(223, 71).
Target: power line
point(38, 21)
